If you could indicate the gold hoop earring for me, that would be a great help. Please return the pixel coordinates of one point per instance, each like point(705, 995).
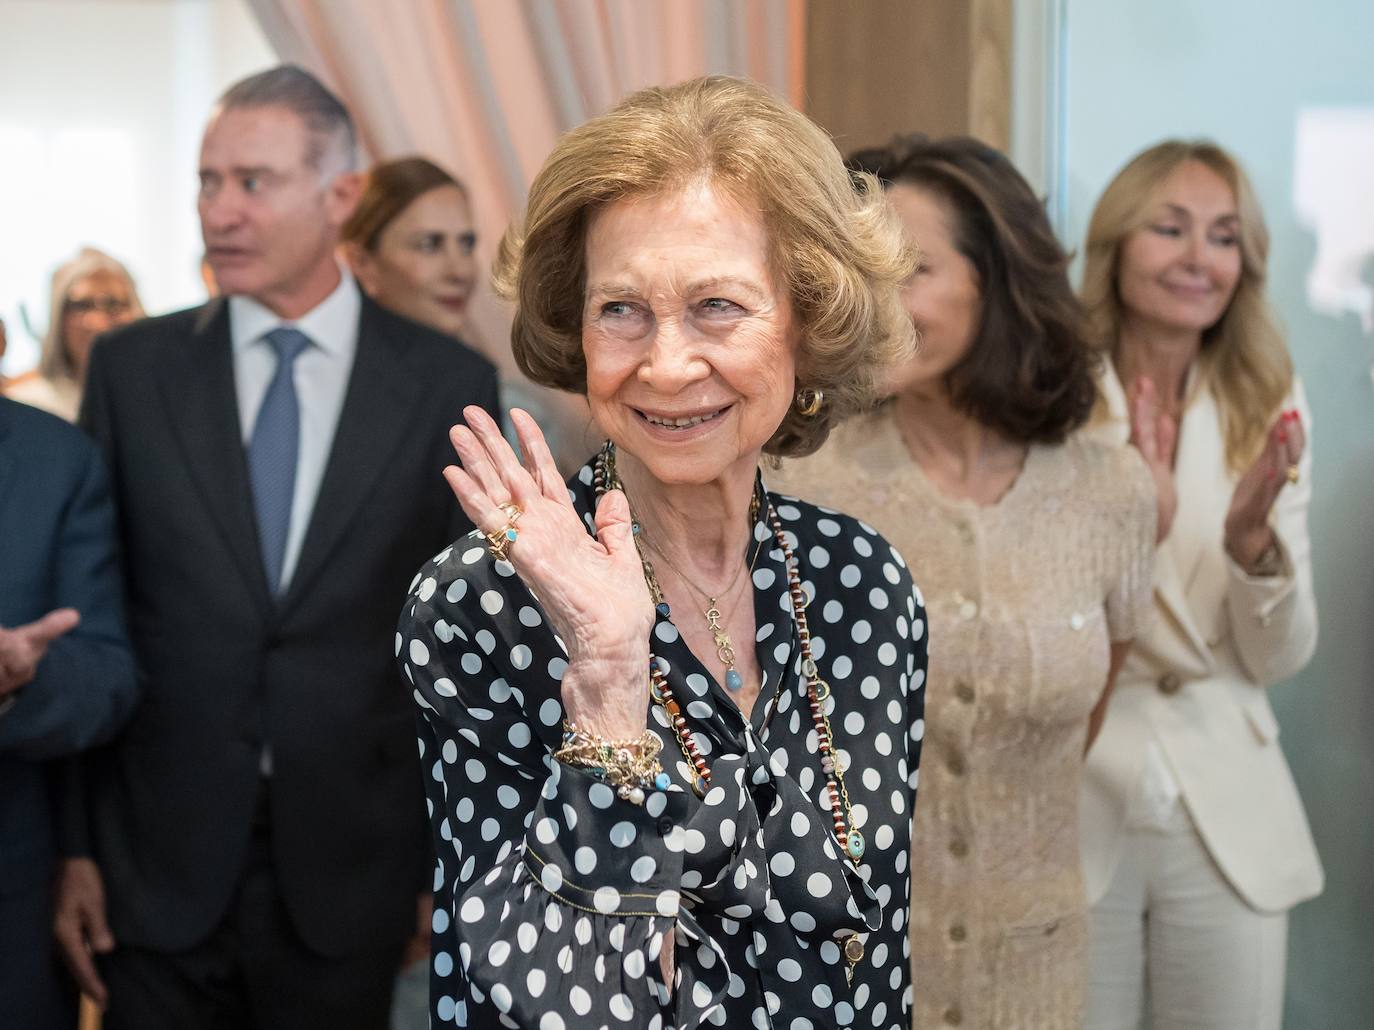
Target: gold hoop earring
point(809, 401)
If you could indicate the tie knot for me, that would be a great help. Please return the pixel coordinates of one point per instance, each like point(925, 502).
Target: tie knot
point(288, 343)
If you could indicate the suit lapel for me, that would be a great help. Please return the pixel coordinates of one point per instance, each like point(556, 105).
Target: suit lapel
point(198, 389)
point(376, 409)
point(1172, 556)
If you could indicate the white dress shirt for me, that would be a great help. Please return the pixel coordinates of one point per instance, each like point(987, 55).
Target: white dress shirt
point(321, 376)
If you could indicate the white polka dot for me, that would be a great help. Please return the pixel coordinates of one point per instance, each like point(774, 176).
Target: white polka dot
point(472, 910)
point(606, 900)
point(818, 885)
point(580, 1000)
point(419, 654)
point(550, 712)
point(520, 656)
point(535, 981)
point(789, 970)
point(529, 617)
point(492, 602)
point(642, 870)
point(601, 795)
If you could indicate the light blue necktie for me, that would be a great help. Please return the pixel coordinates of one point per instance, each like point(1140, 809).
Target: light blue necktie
point(272, 453)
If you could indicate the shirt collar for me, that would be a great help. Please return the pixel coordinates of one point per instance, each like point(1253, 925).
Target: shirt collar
point(332, 324)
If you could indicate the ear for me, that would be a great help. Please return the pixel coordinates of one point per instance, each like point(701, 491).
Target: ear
point(341, 196)
point(363, 264)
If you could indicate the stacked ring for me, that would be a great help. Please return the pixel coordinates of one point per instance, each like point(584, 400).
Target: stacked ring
point(501, 539)
point(1292, 473)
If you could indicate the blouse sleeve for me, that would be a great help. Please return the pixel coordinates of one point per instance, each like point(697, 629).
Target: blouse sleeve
point(915, 681)
point(1274, 618)
point(553, 896)
point(1130, 545)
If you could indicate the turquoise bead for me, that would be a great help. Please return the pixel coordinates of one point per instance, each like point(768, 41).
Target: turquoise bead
point(854, 844)
point(661, 781)
point(511, 533)
point(733, 680)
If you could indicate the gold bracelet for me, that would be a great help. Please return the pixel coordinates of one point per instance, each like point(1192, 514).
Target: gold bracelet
point(630, 766)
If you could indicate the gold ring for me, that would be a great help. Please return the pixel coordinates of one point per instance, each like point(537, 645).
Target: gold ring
point(499, 540)
point(1292, 473)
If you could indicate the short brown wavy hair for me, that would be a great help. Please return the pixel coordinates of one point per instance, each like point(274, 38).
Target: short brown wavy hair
point(838, 250)
point(1030, 372)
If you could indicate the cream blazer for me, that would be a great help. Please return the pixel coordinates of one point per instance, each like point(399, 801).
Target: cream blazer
point(1196, 681)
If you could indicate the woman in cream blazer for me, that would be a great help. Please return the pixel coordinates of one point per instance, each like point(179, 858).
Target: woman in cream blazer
point(1195, 844)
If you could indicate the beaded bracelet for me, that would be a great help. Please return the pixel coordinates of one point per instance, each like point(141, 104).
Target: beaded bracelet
point(630, 766)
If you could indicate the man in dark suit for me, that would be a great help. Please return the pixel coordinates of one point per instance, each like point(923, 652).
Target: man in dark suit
point(66, 678)
point(258, 830)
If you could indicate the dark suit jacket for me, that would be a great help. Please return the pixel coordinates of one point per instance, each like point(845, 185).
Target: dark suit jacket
point(228, 668)
point(57, 549)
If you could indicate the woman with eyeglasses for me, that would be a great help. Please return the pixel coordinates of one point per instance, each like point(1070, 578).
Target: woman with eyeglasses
point(91, 294)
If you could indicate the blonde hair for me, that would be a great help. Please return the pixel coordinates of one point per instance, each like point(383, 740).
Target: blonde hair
point(54, 361)
point(1244, 358)
point(833, 240)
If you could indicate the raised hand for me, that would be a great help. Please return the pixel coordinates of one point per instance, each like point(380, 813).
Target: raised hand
point(23, 647)
point(1154, 435)
point(591, 589)
point(1247, 529)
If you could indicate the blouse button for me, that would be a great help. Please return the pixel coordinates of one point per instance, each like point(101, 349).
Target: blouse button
point(953, 1016)
point(957, 933)
point(955, 764)
point(966, 532)
point(963, 692)
point(664, 826)
point(958, 847)
point(1076, 621)
point(968, 610)
point(1169, 683)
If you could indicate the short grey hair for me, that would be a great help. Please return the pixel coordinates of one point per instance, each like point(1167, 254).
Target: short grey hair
point(292, 87)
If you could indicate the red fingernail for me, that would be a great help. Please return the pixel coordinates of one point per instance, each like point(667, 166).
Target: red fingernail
point(1270, 475)
point(1283, 434)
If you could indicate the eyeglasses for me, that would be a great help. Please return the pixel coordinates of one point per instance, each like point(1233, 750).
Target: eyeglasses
point(105, 305)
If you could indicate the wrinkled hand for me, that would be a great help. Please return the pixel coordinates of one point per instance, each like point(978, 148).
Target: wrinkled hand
point(79, 924)
point(1248, 532)
point(1154, 435)
point(23, 647)
point(591, 589)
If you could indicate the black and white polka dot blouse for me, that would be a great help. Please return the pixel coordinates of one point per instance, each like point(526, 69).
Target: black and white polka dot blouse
point(553, 896)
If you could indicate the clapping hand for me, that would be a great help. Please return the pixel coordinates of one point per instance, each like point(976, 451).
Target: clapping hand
point(590, 588)
point(1248, 533)
point(1154, 435)
point(23, 647)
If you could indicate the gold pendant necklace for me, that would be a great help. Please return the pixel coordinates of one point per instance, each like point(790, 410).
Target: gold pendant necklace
point(725, 650)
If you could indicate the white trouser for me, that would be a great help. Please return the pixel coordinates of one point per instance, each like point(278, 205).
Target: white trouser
point(1170, 920)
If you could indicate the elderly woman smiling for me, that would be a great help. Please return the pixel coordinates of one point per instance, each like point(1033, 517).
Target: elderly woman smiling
point(671, 720)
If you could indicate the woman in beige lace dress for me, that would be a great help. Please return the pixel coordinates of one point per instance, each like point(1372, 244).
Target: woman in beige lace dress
point(1035, 555)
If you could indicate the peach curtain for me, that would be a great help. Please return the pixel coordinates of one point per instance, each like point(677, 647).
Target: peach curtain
point(485, 87)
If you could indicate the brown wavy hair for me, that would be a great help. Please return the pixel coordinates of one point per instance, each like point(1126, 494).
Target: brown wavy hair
point(1244, 357)
point(838, 251)
point(1029, 372)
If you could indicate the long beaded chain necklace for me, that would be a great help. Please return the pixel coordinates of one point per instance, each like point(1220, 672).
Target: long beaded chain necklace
point(851, 841)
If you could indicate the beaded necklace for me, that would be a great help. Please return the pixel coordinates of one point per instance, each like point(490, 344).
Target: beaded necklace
point(851, 841)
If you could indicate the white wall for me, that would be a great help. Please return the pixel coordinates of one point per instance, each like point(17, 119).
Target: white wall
point(101, 108)
point(1289, 88)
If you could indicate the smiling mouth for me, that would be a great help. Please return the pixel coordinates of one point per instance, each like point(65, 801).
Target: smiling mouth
point(686, 422)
